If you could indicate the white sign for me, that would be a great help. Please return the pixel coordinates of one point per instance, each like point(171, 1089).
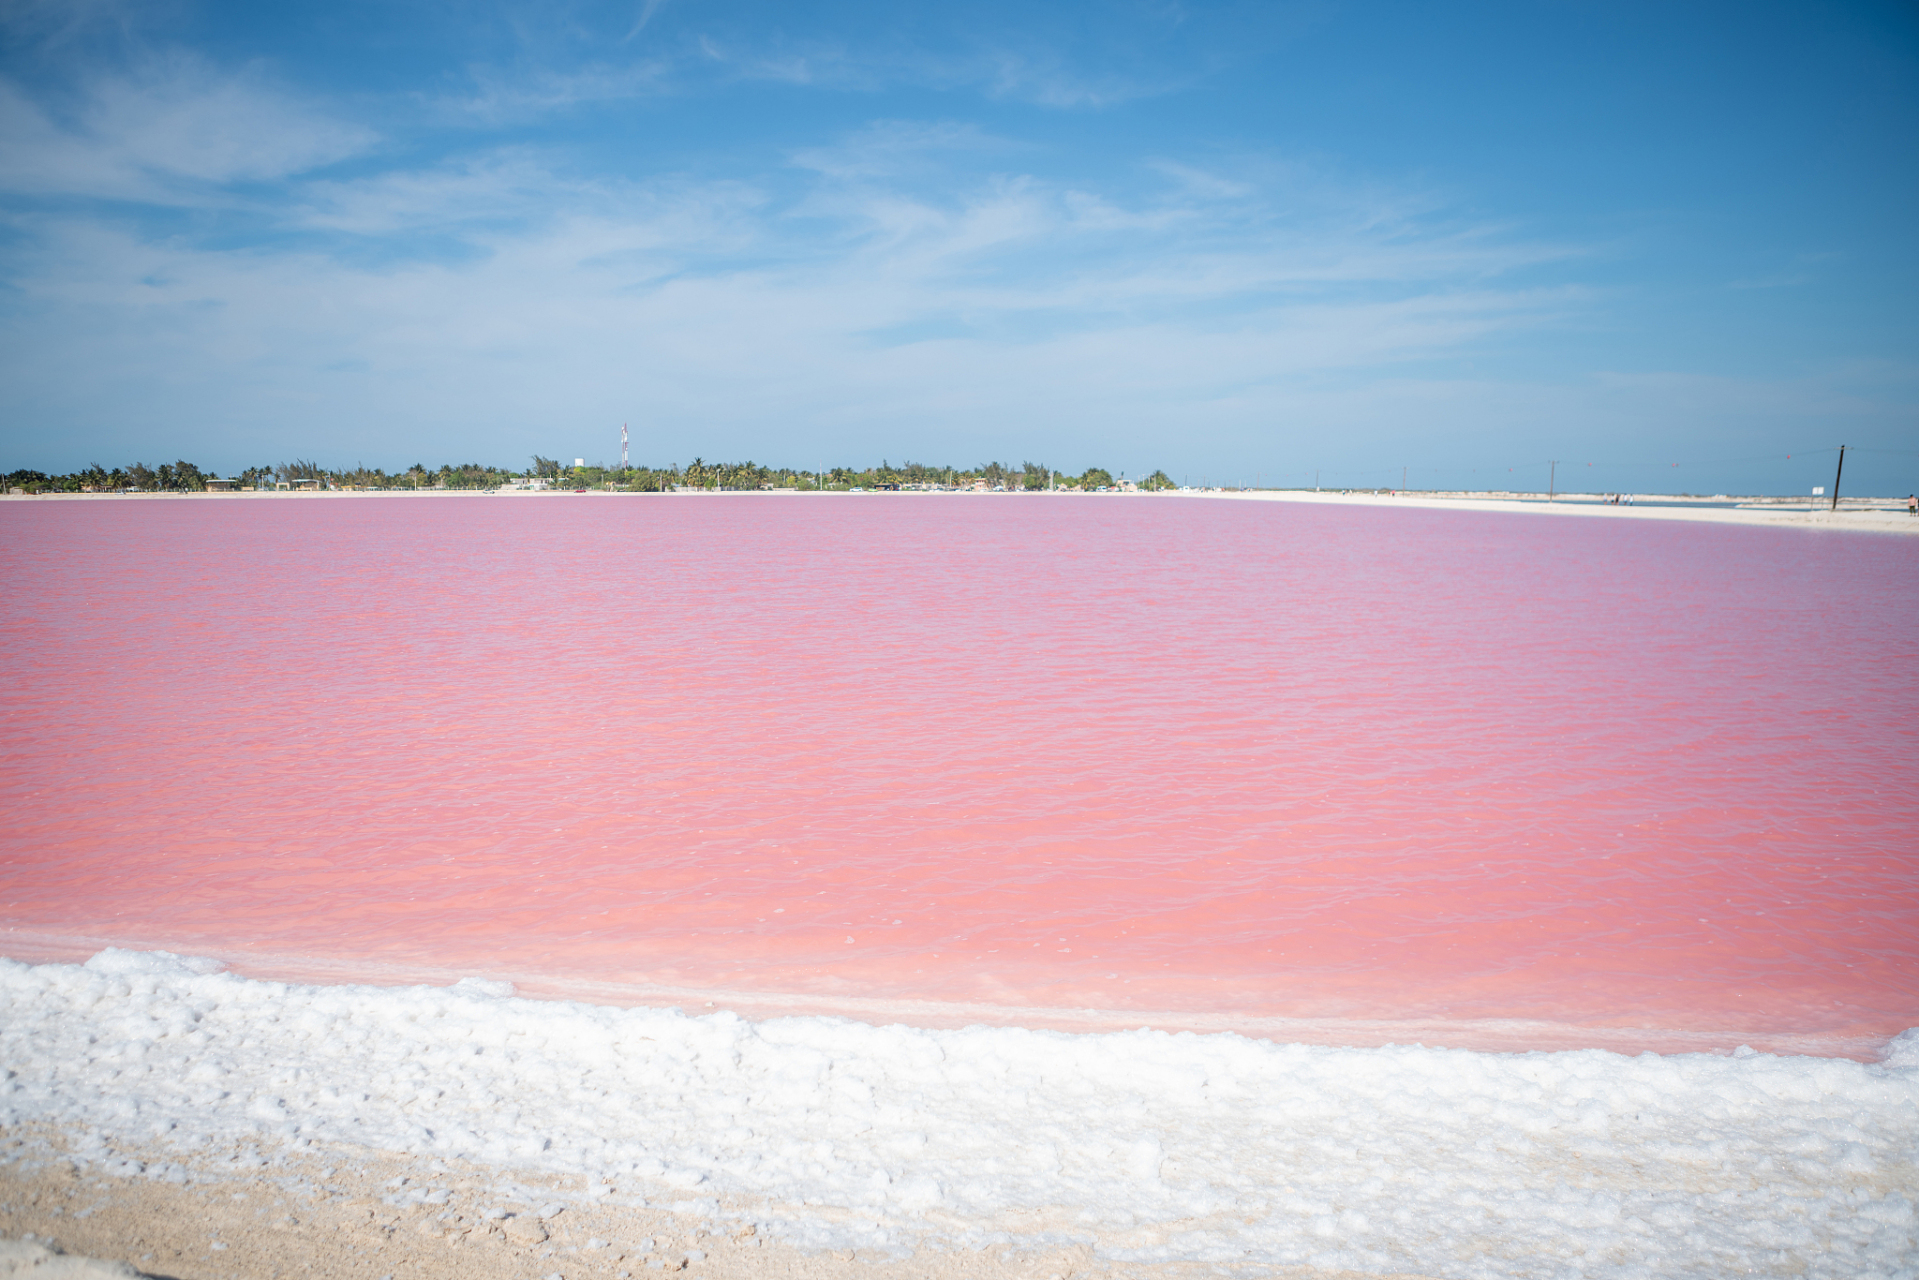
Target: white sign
point(580, 462)
point(1819, 491)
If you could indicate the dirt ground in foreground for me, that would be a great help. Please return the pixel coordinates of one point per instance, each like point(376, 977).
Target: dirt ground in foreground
point(254, 1212)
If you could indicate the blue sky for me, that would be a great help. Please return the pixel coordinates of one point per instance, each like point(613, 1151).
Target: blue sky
point(1237, 241)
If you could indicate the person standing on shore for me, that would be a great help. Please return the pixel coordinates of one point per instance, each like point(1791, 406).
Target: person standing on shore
point(1912, 504)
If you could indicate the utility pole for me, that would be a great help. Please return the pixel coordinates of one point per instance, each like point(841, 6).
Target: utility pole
point(1552, 481)
point(1835, 478)
point(1315, 481)
point(1402, 479)
point(622, 450)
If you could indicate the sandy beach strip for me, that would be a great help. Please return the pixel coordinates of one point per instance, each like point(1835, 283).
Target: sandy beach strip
point(1865, 515)
point(262, 1210)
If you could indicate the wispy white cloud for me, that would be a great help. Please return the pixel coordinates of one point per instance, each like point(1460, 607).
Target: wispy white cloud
point(649, 9)
point(165, 134)
point(690, 310)
point(874, 296)
point(501, 96)
point(49, 26)
point(504, 187)
point(1049, 81)
point(892, 150)
point(820, 64)
point(684, 57)
point(1204, 183)
point(185, 120)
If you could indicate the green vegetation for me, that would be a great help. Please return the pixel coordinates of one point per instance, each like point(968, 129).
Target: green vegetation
point(174, 477)
point(185, 477)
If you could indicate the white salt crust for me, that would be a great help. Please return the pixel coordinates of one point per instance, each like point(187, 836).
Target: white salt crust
point(1209, 1148)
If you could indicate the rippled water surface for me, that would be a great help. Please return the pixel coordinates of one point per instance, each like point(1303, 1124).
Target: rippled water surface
point(1259, 758)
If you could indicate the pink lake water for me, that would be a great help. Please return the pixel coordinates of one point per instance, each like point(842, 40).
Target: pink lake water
point(1243, 760)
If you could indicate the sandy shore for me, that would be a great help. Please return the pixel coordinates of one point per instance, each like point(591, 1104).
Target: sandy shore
point(259, 1211)
point(1863, 515)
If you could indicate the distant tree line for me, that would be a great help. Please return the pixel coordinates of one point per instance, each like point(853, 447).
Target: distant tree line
point(185, 477)
point(168, 477)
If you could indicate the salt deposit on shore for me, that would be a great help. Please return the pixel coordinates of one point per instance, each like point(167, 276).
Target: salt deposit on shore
point(1138, 1149)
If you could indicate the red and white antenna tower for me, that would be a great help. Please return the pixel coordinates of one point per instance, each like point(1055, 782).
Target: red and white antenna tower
point(622, 446)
